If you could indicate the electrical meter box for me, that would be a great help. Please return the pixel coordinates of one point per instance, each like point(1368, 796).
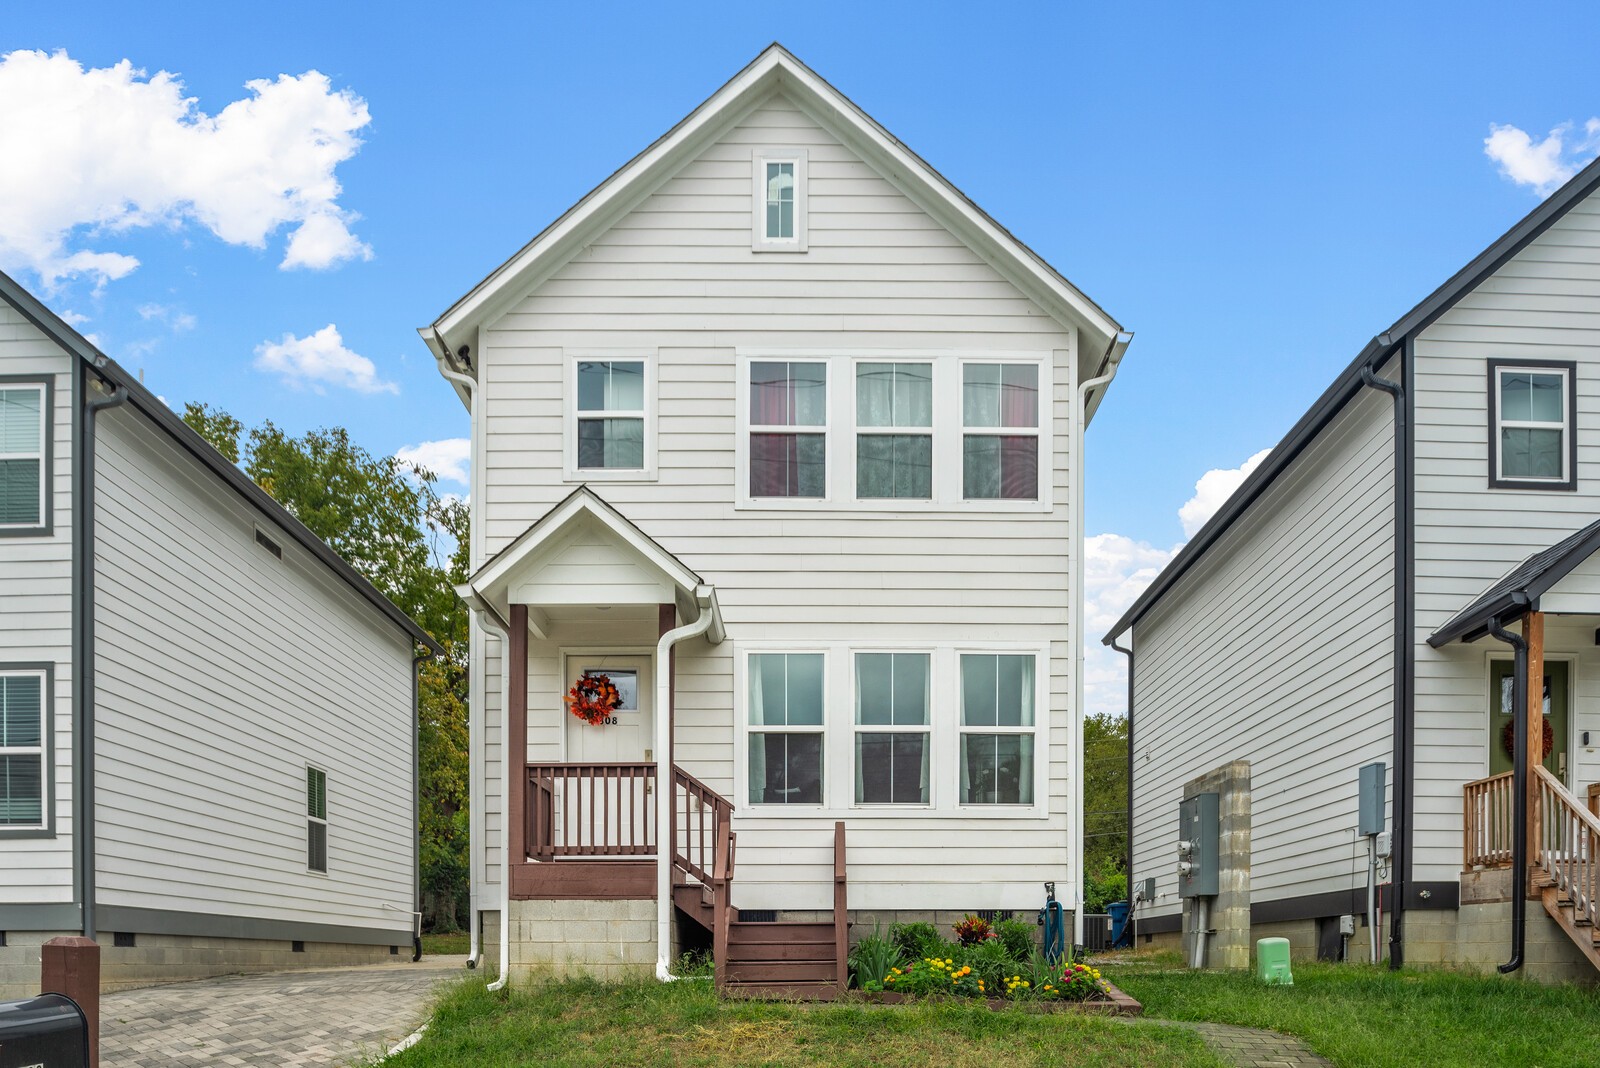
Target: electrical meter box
point(1198, 841)
point(1369, 819)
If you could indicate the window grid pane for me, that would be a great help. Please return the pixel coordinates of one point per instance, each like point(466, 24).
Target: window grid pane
point(22, 773)
point(892, 768)
point(1000, 395)
point(21, 421)
point(611, 443)
point(999, 467)
point(780, 201)
point(894, 466)
point(785, 769)
point(1533, 417)
point(611, 386)
point(21, 789)
point(997, 769)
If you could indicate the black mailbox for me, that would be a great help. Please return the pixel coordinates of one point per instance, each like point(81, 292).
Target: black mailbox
point(48, 1031)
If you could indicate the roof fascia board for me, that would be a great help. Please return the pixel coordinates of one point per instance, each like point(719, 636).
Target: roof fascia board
point(55, 328)
point(582, 502)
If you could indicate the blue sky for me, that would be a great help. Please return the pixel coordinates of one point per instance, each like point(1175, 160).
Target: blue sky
point(1255, 191)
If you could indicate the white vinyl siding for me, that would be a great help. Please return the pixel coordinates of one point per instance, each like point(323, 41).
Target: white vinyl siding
point(1542, 307)
point(36, 617)
point(881, 280)
point(223, 673)
point(1277, 648)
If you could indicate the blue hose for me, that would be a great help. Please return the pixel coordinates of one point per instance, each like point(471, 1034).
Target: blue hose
point(1055, 937)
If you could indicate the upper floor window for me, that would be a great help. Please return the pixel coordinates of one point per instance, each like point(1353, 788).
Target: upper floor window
point(780, 200)
point(23, 432)
point(1000, 417)
point(22, 750)
point(786, 461)
point(1533, 413)
point(894, 430)
point(609, 432)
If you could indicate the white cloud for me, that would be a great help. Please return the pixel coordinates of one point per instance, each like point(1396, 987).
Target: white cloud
point(180, 321)
point(1117, 569)
point(447, 459)
point(1211, 490)
point(1543, 164)
point(319, 360)
point(72, 318)
point(89, 154)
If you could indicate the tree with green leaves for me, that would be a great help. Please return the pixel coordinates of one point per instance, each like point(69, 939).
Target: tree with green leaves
point(386, 519)
point(1105, 809)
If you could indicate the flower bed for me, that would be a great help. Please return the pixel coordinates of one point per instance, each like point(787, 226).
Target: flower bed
point(997, 964)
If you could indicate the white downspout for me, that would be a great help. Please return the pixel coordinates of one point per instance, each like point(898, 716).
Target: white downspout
point(507, 747)
point(705, 597)
point(1075, 834)
point(475, 784)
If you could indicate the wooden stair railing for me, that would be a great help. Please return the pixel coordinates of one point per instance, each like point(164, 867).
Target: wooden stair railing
point(704, 851)
point(1488, 815)
point(1567, 862)
point(841, 914)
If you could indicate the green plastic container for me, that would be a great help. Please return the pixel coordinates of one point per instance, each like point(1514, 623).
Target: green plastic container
point(1272, 961)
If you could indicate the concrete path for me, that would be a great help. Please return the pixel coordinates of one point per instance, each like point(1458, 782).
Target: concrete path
point(1248, 1047)
point(330, 1016)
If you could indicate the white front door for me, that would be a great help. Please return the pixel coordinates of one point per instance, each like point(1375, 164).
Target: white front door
point(627, 736)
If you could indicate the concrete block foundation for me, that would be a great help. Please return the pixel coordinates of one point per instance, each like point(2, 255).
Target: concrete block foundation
point(601, 939)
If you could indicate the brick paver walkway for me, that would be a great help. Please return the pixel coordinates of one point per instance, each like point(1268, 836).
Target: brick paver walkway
point(1246, 1047)
point(330, 1016)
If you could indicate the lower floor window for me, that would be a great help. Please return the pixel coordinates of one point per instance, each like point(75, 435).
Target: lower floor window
point(316, 820)
point(22, 749)
point(785, 769)
point(997, 769)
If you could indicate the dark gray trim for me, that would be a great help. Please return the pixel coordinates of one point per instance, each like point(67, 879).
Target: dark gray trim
point(164, 417)
point(1441, 897)
point(1348, 383)
point(79, 374)
point(39, 918)
point(47, 726)
point(1492, 411)
point(198, 925)
point(47, 457)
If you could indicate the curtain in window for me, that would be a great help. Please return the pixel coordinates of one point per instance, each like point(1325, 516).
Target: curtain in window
point(788, 465)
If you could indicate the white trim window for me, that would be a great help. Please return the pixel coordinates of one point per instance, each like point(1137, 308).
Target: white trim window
point(998, 729)
point(609, 426)
point(894, 430)
point(779, 195)
point(22, 454)
point(22, 750)
point(316, 820)
point(893, 750)
point(1532, 434)
point(1000, 423)
point(788, 428)
point(787, 696)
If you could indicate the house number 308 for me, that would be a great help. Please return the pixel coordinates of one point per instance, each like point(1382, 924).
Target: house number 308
point(609, 721)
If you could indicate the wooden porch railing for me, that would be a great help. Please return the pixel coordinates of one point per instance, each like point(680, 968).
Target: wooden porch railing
point(591, 810)
point(1568, 845)
point(1487, 818)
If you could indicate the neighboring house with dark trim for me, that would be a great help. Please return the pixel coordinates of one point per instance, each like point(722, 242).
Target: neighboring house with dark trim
point(780, 432)
point(1340, 610)
point(207, 731)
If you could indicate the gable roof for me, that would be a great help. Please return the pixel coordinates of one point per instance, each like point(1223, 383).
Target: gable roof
point(156, 410)
point(774, 68)
point(1353, 379)
point(1522, 586)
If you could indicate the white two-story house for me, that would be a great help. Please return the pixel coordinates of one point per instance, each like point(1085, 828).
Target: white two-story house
point(782, 434)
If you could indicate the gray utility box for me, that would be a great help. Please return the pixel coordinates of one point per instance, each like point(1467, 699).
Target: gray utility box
point(48, 1031)
point(1370, 813)
point(1198, 842)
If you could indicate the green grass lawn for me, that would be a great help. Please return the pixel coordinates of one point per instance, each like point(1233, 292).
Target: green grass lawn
point(445, 944)
point(1359, 1016)
point(685, 1024)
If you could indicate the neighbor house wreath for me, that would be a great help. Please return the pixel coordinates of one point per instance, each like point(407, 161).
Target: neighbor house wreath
point(593, 698)
point(1508, 739)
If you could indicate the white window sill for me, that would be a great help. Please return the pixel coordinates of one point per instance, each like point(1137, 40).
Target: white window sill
point(610, 474)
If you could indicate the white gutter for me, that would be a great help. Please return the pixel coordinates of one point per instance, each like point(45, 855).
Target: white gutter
point(475, 784)
point(1119, 345)
point(507, 747)
point(708, 622)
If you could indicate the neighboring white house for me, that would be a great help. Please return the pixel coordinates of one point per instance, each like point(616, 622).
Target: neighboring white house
point(780, 432)
point(207, 755)
point(1282, 636)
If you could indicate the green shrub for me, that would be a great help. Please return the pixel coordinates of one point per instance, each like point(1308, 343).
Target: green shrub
point(874, 957)
point(1017, 936)
point(989, 961)
point(917, 940)
point(1104, 886)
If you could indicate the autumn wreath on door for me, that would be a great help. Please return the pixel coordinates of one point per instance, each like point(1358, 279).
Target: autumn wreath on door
point(1508, 740)
point(593, 698)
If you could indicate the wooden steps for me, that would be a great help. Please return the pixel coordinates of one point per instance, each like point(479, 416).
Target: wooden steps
point(1584, 935)
point(781, 960)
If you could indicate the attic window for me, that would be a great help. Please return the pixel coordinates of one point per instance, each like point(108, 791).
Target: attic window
point(268, 544)
point(779, 194)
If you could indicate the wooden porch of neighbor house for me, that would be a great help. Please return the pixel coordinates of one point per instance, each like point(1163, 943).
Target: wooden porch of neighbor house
point(1562, 868)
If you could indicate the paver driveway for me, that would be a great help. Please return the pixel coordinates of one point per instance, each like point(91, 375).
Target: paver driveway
point(331, 1016)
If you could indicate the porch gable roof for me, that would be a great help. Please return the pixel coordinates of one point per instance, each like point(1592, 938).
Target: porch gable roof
point(1521, 587)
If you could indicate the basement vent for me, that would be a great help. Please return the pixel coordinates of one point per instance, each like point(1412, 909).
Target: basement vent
point(994, 915)
point(297, 947)
point(2, 939)
point(758, 916)
point(268, 544)
point(394, 951)
point(124, 939)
